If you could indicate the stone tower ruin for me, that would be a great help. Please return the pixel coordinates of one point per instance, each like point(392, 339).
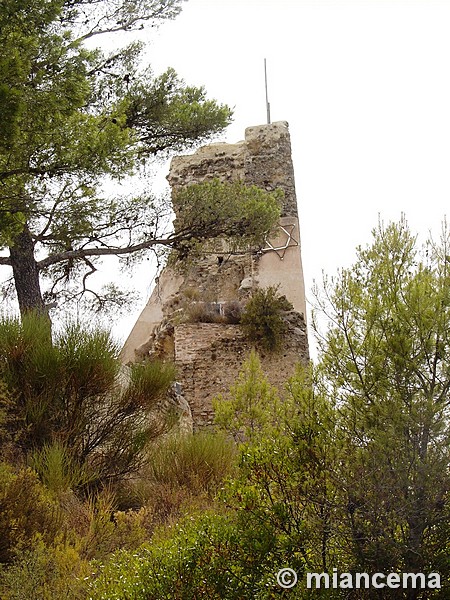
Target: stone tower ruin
point(209, 355)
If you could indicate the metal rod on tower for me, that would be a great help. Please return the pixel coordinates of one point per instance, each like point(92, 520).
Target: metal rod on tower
point(267, 94)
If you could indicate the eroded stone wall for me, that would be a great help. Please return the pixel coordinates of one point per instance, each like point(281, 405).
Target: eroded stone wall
point(209, 356)
point(262, 159)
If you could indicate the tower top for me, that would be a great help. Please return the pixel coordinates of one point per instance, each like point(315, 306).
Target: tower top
point(263, 159)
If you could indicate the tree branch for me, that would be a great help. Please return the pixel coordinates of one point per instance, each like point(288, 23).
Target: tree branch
point(52, 170)
point(133, 23)
point(57, 202)
point(85, 252)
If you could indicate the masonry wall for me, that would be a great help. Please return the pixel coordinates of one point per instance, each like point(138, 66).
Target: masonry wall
point(209, 357)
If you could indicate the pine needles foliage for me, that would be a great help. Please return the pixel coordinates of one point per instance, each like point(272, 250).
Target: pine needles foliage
point(74, 408)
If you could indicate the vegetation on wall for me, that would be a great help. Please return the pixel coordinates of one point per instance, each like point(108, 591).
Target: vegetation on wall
point(262, 318)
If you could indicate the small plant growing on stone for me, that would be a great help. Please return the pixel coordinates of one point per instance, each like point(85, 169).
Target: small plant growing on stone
point(203, 312)
point(232, 311)
point(262, 318)
point(214, 312)
point(191, 293)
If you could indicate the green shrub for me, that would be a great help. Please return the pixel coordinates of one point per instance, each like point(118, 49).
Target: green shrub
point(109, 529)
point(199, 461)
point(8, 435)
point(57, 469)
point(46, 573)
point(150, 381)
point(262, 318)
point(25, 510)
point(239, 213)
point(184, 473)
point(203, 312)
point(213, 312)
point(252, 406)
point(213, 556)
point(71, 407)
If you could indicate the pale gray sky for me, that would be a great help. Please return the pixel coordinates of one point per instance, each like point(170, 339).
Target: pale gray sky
point(365, 87)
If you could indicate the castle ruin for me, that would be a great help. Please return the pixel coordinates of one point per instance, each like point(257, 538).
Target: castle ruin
point(209, 355)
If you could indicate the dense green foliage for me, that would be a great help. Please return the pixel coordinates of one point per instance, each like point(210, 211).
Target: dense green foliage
point(183, 474)
point(198, 461)
point(26, 509)
point(385, 362)
point(346, 468)
point(239, 214)
point(262, 318)
point(212, 557)
point(252, 406)
point(46, 572)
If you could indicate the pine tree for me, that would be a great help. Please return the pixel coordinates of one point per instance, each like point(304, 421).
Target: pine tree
point(73, 117)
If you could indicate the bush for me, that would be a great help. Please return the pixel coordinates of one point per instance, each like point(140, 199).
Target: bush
point(262, 318)
point(71, 403)
point(184, 472)
point(204, 312)
point(57, 470)
point(241, 214)
point(213, 556)
point(46, 573)
point(106, 529)
point(8, 437)
point(25, 510)
point(252, 406)
point(150, 381)
point(213, 312)
point(199, 461)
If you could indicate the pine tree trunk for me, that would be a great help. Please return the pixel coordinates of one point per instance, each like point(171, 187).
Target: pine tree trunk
point(26, 274)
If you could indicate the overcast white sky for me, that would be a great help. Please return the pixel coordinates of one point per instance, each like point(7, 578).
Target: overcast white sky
point(365, 87)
